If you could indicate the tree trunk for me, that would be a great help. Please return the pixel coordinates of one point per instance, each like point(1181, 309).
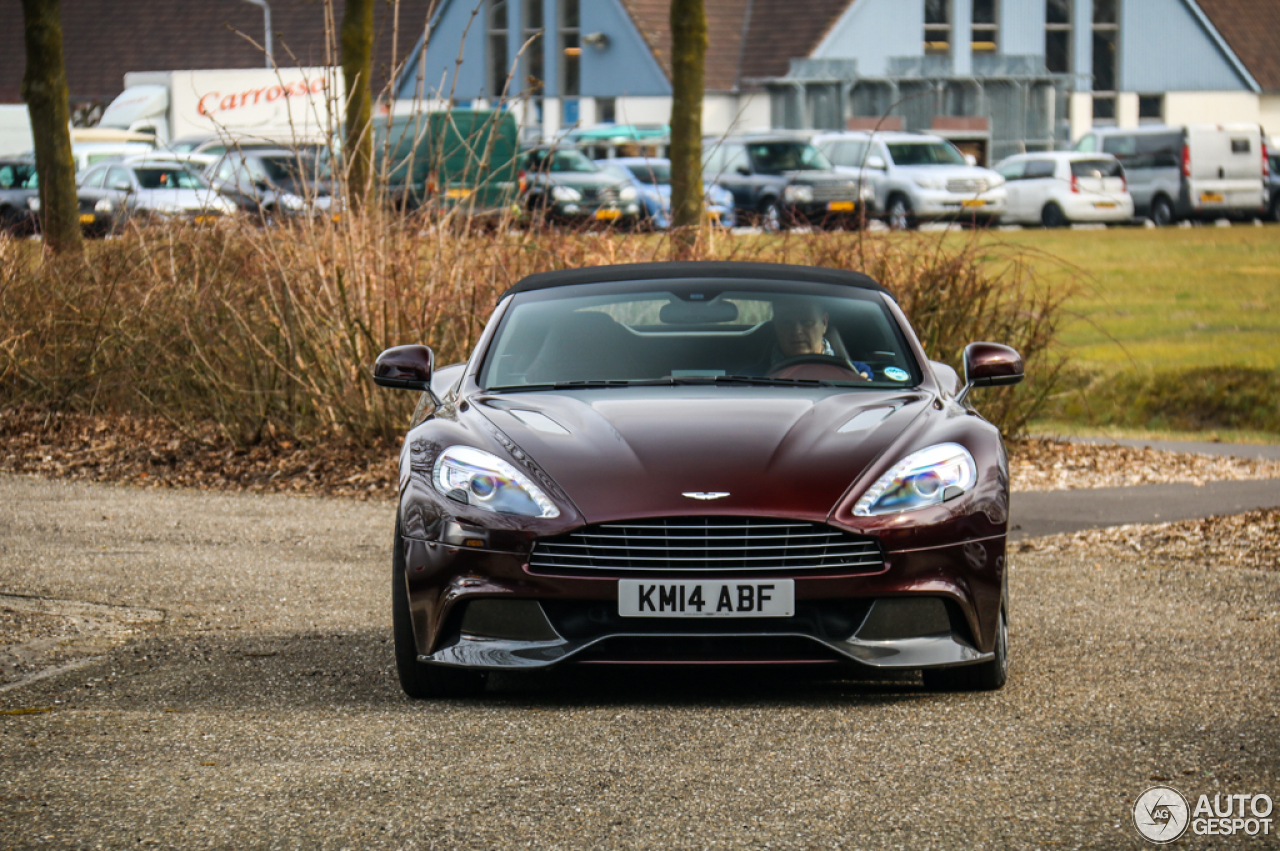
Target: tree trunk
point(357, 66)
point(688, 57)
point(44, 88)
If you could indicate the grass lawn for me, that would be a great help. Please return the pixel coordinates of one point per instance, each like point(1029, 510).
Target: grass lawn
point(1173, 298)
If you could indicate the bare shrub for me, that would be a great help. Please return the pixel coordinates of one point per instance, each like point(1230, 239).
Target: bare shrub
point(270, 333)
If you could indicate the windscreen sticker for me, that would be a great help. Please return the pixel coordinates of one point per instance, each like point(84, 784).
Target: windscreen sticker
point(895, 373)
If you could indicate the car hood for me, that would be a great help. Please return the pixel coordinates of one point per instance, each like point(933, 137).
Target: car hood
point(635, 452)
point(950, 172)
point(584, 179)
point(171, 200)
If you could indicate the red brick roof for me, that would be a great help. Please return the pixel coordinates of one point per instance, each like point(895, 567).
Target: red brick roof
point(1252, 28)
point(102, 39)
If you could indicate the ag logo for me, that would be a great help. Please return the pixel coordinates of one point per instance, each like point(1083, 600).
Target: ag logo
point(1161, 814)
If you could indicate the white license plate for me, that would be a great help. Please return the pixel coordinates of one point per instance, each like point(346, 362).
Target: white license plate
point(644, 598)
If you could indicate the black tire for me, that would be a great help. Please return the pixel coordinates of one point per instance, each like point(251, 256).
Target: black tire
point(985, 676)
point(899, 215)
point(419, 681)
point(1275, 207)
point(1052, 216)
point(1162, 213)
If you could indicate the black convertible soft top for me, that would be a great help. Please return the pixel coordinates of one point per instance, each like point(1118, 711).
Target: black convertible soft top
point(694, 269)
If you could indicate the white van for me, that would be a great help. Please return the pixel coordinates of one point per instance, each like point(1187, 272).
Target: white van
point(1204, 171)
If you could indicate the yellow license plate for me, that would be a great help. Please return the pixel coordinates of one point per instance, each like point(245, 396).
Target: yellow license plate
point(973, 202)
point(840, 207)
point(713, 215)
point(86, 218)
point(457, 194)
point(1211, 198)
point(204, 220)
point(1105, 205)
point(608, 215)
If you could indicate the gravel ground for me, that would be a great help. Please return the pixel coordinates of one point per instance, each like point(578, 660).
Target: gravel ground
point(1042, 464)
point(263, 711)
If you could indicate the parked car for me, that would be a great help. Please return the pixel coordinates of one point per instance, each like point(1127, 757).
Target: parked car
point(450, 158)
point(780, 181)
point(563, 184)
point(1273, 181)
point(1198, 171)
point(270, 182)
point(19, 187)
point(87, 154)
point(112, 194)
point(652, 179)
point(699, 463)
point(917, 177)
point(1055, 188)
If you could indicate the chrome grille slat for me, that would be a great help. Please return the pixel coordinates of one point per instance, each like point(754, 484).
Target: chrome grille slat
point(975, 185)
point(685, 545)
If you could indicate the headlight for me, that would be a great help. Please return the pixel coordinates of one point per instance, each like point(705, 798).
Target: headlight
point(798, 194)
point(627, 193)
point(33, 204)
point(926, 182)
point(995, 180)
point(103, 206)
point(867, 192)
point(489, 483)
point(920, 480)
point(565, 193)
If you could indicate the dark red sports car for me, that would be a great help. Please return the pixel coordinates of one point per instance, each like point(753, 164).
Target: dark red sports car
point(699, 463)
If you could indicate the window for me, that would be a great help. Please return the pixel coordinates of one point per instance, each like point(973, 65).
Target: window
point(986, 29)
point(1150, 109)
point(1039, 169)
point(533, 60)
point(1013, 170)
point(497, 46)
point(851, 154)
point(1057, 36)
point(607, 110)
point(570, 50)
point(1106, 30)
point(1096, 168)
point(937, 26)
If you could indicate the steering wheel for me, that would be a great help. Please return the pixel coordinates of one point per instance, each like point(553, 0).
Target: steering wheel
point(815, 367)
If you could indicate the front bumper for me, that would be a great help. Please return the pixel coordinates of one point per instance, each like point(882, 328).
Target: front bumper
point(941, 204)
point(485, 609)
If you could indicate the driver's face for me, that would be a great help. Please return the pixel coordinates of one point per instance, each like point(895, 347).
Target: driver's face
point(800, 326)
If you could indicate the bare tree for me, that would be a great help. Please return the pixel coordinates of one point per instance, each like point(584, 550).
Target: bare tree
point(357, 66)
point(688, 58)
point(44, 88)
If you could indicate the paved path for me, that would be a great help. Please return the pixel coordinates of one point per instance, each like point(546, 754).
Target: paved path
point(1036, 513)
point(1261, 451)
point(262, 712)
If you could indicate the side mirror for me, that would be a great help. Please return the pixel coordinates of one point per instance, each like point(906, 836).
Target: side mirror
point(404, 368)
point(970, 159)
point(989, 365)
point(743, 170)
point(122, 186)
point(876, 162)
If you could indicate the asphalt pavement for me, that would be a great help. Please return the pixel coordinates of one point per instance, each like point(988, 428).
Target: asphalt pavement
point(247, 700)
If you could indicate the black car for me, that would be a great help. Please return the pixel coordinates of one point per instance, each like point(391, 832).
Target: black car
point(563, 184)
point(272, 181)
point(18, 186)
point(779, 181)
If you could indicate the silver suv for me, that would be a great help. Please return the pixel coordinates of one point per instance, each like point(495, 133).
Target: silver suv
point(917, 177)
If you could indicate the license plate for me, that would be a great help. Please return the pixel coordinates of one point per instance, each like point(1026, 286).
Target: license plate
point(713, 215)
point(608, 215)
point(642, 598)
point(1105, 205)
point(973, 202)
point(1211, 198)
point(840, 207)
point(86, 218)
point(201, 220)
point(457, 194)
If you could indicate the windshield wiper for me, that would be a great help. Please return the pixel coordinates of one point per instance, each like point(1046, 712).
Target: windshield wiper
point(672, 381)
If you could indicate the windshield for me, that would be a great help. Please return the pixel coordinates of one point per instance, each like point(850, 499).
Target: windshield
point(925, 153)
point(697, 332)
point(652, 172)
point(779, 157)
point(17, 176)
point(560, 161)
point(287, 168)
point(168, 178)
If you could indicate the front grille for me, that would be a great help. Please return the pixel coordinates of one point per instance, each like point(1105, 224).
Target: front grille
point(835, 191)
point(967, 185)
point(706, 545)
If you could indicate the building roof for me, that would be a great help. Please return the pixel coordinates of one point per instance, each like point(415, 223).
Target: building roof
point(103, 39)
point(746, 39)
point(1251, 28)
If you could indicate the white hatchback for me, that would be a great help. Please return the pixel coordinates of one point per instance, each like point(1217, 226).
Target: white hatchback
point(1056, 188)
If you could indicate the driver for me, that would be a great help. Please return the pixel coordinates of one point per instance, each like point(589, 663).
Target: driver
point(800, 327)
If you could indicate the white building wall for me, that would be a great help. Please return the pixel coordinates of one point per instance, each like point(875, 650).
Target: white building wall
point(643, 110)
point(1211, 108)
point(1269, 114)
point(729, 114)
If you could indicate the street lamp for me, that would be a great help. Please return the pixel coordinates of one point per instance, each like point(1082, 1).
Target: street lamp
point(266, 26)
